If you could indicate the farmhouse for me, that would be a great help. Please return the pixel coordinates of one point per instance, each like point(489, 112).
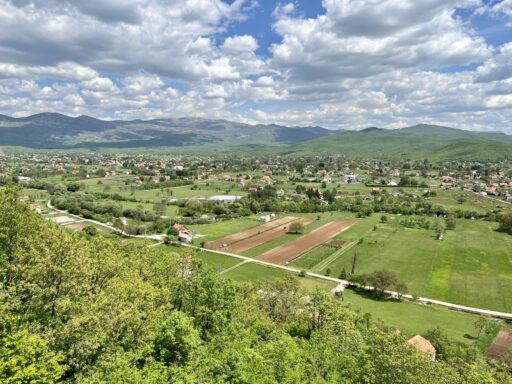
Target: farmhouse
point(184, 234)
point(423, 345)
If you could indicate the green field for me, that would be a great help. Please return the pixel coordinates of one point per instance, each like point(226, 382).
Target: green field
point(473, 202)
point(410, 318)
point(220, 229)
point(413, 318)
point(472, 266)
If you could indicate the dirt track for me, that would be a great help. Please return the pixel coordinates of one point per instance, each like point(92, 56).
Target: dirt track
point(215, 244)
point(262, 238)
point(295, 248)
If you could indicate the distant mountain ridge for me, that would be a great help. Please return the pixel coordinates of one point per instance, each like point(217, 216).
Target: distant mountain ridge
point(57, 131)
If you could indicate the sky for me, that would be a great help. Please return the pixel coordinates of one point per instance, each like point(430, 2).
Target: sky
point(340, 64)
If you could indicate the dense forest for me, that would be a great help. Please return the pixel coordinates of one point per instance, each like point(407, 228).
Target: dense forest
point(77, 308)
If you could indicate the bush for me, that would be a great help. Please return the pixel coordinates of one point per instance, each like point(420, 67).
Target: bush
point(296, 227)
point(90, 229)
point(506, 223)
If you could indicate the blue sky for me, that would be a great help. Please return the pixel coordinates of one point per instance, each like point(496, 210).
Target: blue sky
point(336, 63)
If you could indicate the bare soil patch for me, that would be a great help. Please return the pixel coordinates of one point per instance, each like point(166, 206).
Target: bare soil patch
point(76, 226)
point(501, 347)
point(303, 244)
point(216, 244)
point(262, 238)
point(338, 243)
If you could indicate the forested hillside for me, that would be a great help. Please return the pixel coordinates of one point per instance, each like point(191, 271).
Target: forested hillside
point(82, 309)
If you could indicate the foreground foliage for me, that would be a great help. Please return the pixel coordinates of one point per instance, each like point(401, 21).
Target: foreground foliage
point(80, 309)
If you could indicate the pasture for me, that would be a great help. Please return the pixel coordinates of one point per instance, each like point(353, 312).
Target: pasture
point(472, 266)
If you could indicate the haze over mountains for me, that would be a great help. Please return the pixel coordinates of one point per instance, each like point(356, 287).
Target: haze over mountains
point(57, 131)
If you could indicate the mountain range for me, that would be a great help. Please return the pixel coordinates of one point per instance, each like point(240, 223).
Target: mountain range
point(57, 131)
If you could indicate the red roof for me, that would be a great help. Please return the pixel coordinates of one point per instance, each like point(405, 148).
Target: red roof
point(422, 344)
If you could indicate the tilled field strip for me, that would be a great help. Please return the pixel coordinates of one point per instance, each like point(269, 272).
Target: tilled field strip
point(262, 238)
point(215, 244)
point(295, 248)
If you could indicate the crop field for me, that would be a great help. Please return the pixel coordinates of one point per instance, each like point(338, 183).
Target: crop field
point(471, 266)
point(305, 243)
point(212, 231)
point(309, 259)
point(249, 232)
point(263, 237)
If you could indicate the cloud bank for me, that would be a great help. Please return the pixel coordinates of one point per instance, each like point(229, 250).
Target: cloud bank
point(355, 64)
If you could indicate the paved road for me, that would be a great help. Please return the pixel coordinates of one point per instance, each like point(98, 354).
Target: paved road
point(422, 300)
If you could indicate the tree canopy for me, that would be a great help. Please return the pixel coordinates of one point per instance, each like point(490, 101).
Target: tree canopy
point(76, 308)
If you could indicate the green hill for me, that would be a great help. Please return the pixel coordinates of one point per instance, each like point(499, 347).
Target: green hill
point(196, 135)
point(417, 142)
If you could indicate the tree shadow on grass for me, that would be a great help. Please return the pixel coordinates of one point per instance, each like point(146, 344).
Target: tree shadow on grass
point(470, 337)
point(373, 295)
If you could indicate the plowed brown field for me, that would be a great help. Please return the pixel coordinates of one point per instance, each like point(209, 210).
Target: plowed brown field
point(262, 238)
point(216, 244)
point(295, 248)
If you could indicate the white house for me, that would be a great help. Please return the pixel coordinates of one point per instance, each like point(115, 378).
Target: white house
point(185, 237)
point(264, 219)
